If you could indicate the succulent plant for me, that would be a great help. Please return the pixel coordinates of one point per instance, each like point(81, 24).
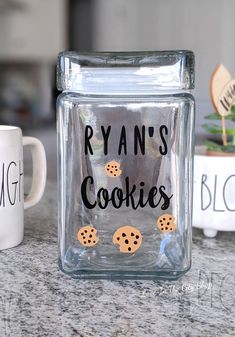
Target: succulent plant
point(214, 126)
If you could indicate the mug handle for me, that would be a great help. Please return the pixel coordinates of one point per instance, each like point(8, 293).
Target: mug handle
point(39, 171)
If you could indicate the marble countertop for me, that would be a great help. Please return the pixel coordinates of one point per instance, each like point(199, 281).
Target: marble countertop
point(36, 299)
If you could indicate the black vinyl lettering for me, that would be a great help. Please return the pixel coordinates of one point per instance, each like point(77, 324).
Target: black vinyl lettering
point(163, 132)
point(85, 200)
point(214, 201)
point(139, 140)
point(88, 136)
point(224, 106)
point(20, 179)
point(106, 137)
point(122, 142)
point(165, 197)
point(2, 196)
point(224, 193)
point(12, 183)
point(204, 186)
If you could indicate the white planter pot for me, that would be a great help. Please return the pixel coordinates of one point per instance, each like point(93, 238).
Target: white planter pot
point(214, 193)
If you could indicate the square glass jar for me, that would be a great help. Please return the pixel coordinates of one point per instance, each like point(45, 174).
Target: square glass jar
point(125, 125)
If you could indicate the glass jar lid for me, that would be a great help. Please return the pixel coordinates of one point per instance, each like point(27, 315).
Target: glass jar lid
point(125, 73)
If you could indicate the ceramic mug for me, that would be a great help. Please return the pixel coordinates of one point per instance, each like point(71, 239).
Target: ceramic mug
point(12, 201)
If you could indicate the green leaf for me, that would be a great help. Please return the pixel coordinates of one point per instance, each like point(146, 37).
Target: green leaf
point(230, 132)
point(228, 148)
point(215, 129)
point(216, 117)
point(233, 109)
point(231, 117)
point(213, 116)
point(212, 128)
point(213, 146)
point(219, 148)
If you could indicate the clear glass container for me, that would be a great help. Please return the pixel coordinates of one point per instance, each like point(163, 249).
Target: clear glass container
point(125, 125)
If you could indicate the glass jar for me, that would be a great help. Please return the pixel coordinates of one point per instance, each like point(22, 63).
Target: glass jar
point(125, 141)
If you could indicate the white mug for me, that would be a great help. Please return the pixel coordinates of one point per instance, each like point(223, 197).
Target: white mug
point(12, 201)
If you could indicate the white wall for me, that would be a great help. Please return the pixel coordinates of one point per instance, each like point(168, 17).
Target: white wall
point(205, 26)
point(32, 30)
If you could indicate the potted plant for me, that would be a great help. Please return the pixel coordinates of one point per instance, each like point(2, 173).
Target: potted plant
point(214, 126)
point(214, 164)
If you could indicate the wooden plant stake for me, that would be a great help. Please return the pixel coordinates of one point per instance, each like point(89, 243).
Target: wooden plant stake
point(222, 90)
point(224, 135)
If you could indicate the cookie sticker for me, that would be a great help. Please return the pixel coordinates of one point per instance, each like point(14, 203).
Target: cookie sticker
point(112, 169)
point(128, 238)
point(166, 223)
point(87, 236)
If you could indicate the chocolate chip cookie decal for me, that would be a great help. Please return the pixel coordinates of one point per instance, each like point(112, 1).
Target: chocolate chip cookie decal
point(128, 238)
point(166, 223)
point(87, 236)
point(112, 169)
